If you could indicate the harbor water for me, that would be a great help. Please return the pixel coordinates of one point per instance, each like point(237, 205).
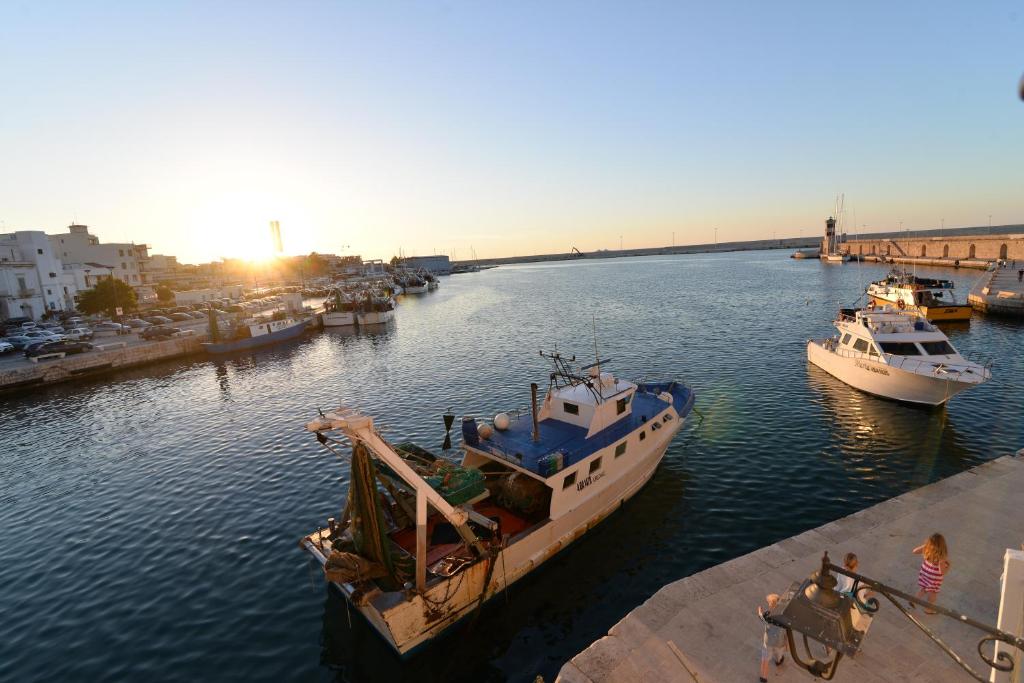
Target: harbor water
point(151, 518)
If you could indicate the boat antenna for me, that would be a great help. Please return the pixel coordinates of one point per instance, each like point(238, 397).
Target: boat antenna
point(597, 358)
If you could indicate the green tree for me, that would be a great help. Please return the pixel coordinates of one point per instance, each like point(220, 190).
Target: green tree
point(315, 265)
point(107, 296)
point(164, 294)
point(395, 260)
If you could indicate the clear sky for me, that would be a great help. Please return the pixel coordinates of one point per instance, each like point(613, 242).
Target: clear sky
point(511, 128)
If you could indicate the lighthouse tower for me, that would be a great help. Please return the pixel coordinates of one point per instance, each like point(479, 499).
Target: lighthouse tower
point(828, 244)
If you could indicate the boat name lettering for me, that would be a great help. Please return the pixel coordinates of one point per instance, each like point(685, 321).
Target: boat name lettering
point(880, 371)
point(580, 485)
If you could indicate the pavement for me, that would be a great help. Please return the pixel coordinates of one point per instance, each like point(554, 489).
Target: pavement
point(705, 627)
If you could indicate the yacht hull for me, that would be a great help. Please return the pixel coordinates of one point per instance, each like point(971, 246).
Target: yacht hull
point(416, 290)
point(881, 379)
point(407, 621)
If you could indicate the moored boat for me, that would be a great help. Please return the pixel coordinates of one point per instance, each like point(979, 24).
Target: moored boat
point(375, 309)
point(436, 539)
point(252, 333)
point(895, 355)
point(339, 311)
point(932, 298)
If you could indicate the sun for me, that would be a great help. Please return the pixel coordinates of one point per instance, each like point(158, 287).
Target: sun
point(237, 225)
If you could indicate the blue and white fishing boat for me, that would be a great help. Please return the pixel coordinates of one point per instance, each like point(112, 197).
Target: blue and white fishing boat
point(423, 541)
point(252, 333)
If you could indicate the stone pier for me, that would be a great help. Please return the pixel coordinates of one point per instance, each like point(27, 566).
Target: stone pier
point(704, 628)
point(1000, 291)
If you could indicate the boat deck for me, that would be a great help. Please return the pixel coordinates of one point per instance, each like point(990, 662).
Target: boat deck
point(516, 443)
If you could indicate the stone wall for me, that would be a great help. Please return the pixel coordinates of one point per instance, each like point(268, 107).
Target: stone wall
point(28, 375)
point(954, 247)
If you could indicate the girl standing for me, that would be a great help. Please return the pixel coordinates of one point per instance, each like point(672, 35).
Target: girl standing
point(934, 567)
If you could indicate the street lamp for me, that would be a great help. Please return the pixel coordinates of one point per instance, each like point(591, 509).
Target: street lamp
point(816, 611)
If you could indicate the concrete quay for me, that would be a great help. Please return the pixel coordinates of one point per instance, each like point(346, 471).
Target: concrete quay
point(1000, 292)
point(704, 628)
point(121, 354)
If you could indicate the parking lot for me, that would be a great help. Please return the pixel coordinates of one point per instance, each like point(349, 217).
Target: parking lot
point(17, 358)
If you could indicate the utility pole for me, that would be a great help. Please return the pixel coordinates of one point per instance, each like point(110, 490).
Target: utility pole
point(620, 242)
point(716, 236)
point(673, 240)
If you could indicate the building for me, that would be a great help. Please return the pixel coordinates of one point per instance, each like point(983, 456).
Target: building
point(32, 277)
point(199, 296)
point(127, 262)
point(438, 265)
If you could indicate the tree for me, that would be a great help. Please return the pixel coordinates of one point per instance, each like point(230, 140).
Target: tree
point(395, 260)
point(315, 265)
point(164, 294)
point(107, 296)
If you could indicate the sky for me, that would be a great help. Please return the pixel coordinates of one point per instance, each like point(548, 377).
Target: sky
point(502, 129)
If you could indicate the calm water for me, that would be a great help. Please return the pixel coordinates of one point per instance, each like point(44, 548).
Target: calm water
point(150, 520)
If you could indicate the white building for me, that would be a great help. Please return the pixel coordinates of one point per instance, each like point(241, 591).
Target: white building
point(32, 277)
point(438, 265)
point(127, 262)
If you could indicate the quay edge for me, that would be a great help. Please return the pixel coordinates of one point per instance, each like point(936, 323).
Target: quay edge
point(99, 361)
point(705, 627)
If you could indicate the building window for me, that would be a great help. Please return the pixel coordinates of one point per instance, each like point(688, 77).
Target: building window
point(945, 251)
point(53, 274)
point(570, 408)
point(120, 252)
point(924, 250)
point(1002, 252)
point(39, 251)
point(569, 481)
point(970, 252)
point(124, 266)
point(620, 449)
point(595, 466)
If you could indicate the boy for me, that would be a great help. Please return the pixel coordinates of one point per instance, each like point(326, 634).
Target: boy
point(774, 643)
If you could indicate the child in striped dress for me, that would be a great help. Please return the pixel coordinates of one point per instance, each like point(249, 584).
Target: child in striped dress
point(934, 566)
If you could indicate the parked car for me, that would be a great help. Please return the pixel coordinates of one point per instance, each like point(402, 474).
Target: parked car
point(29, 325)
point(158, 320)
point(199, 315)
point(19, 342)
point(6, 347)
point(40, 333)
point(75, 321)
point(52, 327)
point(79, 334)
point(108, 326)
point(137, 324)
point(180, 317)
point(159, 332)
point(68, 347)
point(180, 309)
point(17, 321)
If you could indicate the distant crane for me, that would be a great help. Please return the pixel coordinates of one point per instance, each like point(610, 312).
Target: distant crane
point(576, 253)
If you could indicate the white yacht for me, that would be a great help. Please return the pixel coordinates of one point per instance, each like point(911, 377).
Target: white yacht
point(439, 537)
point(896, 355)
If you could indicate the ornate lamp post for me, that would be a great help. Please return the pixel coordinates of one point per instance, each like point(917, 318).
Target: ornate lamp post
point(816, 611)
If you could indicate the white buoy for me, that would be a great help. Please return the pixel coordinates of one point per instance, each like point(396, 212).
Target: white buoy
point(485, 430)
point(502, 421)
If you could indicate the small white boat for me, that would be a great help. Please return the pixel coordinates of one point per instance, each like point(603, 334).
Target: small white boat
point(439, 538)
point(376, 309)
point(805, 253)
point(340, 311)
point(837, 258)
point(895, 355)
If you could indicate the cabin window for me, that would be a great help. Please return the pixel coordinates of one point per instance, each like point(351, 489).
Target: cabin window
point(569, 481)
point(643, 435)
point(846, 339)
point(872, 351)
point(620, 449)
point(937, 348)
point(860, 345)
point(668, 416)
point(570, 408)
point(595, 466)
point(620, 405)
point(900, 348)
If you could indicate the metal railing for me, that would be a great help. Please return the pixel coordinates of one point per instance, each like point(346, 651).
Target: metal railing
point(911, 364)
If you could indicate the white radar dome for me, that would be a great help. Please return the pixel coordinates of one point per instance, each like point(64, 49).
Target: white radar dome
point(485, 430)
point(502, 421)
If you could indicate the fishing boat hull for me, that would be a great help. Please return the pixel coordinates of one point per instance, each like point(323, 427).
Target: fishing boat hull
point(407, 620)
point(339, 318)
point(884, 380)
point(375, 317)
point(256, 342)
point(932, 313)
point(416, 289)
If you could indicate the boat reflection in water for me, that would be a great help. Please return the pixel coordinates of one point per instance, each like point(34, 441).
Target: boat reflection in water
point(866, 430)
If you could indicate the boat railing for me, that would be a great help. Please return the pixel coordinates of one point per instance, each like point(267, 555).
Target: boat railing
point(911, 364)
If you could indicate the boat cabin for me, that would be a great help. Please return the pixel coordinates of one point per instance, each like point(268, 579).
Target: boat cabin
point(884, 332)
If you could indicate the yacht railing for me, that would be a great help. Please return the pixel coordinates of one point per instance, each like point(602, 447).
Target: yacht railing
point(912, 364)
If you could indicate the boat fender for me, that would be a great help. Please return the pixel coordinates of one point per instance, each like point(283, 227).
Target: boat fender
point(900, 304)
point(666, 397)
point(485, 430)
point(502, 421)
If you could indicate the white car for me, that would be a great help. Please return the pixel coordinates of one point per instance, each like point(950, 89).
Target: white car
point(6, 347)
point(28, 326)
point(79, 334)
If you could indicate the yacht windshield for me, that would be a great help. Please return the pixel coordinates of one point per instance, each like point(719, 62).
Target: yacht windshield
point(937, 348)
point(900, 348)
